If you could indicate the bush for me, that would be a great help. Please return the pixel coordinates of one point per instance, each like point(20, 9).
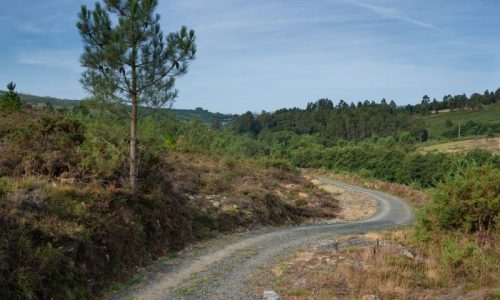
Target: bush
point(469, 202)
point(479, 156)
point(10, 101)
point(39, 144)
point(5, 187)
point(454, 254)
point(67, 243)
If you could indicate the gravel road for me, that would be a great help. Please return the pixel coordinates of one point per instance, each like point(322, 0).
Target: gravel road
point(223, 268)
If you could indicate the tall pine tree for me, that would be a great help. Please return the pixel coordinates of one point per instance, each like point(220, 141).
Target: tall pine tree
point(129, 61)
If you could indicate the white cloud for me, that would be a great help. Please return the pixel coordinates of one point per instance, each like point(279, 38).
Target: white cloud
point(391, 13)
point(51, 58)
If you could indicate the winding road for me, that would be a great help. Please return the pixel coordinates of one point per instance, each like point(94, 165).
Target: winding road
point(223, 270)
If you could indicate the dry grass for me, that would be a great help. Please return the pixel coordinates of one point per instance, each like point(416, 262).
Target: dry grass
point(249, 192)
point(386, 272)
point(392, 264)
point(489, 144)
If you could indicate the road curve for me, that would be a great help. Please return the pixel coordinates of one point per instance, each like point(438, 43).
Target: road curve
point(223, 270)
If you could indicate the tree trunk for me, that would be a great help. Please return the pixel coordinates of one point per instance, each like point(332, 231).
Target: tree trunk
point(133, 146)
point(133, 133)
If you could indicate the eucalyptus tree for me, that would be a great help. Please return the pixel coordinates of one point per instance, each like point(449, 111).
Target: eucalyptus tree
point(129, 61)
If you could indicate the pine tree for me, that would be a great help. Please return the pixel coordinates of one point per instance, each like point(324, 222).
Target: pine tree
point(130, 61)
point(10, 101)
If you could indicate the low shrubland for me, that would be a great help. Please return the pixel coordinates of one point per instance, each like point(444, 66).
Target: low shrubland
point(67, 216)
point(451, 252)
point(467, 202)
point(69, 225)
point(392, 265)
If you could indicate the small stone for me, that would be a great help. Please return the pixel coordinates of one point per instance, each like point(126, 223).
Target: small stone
point(329, 245)
point(271, 295)
point(407, 253)
point(370, 297)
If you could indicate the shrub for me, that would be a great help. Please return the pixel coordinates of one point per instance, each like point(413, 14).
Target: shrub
point(5, 187)
point(10, 101)
point(454, 254)
point(479, 156)
point(424, 170)
point(39, 144)
point(468, 202)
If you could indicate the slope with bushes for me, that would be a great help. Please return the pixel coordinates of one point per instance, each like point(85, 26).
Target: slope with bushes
point(69, 225)
point(445, 125)
point(203, 115)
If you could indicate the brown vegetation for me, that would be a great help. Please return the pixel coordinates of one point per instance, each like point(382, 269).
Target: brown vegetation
point(428, 261)
point(379, 265)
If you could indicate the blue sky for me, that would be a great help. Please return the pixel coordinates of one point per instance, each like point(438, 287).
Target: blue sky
point(268, 54)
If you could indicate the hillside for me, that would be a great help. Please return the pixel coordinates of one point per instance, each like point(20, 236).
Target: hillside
point(68, 215)
point(42, 100)
point(203, 115)
point(436, 124)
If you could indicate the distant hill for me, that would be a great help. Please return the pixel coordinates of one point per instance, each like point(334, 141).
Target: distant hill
point(437, 123)
point(39, 100)
point(199, 113)
point(182, 114)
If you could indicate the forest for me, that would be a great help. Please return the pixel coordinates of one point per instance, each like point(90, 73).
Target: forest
point(367, 119)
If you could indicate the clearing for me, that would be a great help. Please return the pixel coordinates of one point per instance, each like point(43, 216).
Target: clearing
point(490, 144)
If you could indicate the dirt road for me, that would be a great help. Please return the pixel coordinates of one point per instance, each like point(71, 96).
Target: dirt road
point(222, 270)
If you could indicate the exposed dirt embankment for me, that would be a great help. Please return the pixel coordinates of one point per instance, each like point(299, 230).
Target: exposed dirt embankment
point(352, 205)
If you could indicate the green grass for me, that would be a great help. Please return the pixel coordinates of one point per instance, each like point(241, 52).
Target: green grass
point(436, 123)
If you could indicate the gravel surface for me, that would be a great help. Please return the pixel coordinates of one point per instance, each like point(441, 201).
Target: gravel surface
point(223, 268)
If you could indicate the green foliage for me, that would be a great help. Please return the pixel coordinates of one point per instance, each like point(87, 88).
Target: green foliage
point(485, 117)
point(343, 121)
point(104, 152)
point(129, 62)
point(424, 170)
point(5, 187)
point(80, 237)
point(391, 159)
point(127, 58)
point(468, 202)
point(479, 156)
point(473, 128)
point(10, 101)
point(246, 123)
point(454, 254)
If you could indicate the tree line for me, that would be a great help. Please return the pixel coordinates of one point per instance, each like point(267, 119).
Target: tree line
point(457, 102)
point(350, 121)
point(342, 121)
